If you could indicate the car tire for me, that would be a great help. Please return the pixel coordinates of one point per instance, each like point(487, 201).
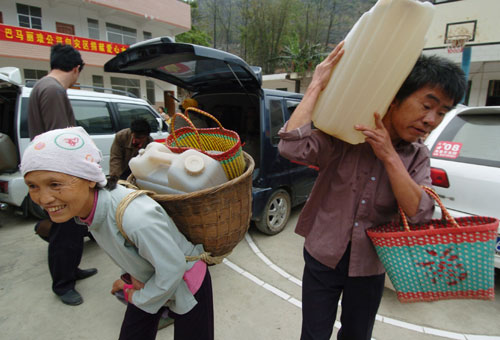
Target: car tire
point(276, 213)
point(35, 210)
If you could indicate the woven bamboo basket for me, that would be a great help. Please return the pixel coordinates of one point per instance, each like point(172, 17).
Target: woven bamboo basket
point(216, 217)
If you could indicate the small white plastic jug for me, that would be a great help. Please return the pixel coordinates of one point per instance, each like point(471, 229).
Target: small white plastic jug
point(380, 51)
point(157, 168)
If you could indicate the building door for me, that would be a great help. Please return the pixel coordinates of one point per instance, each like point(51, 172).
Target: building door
point(169, 101)
point(65, 28)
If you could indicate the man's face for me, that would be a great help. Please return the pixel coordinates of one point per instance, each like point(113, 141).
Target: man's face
point(138, 140)
point(418, 114)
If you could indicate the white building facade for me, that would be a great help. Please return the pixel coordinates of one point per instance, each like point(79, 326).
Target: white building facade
point(480, 21)
point(99, 29)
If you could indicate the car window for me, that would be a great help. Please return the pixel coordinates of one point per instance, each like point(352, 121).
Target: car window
point(470, 139)
point(93, 116)
point(130, 112)
point(291, 105)
point(277, 119)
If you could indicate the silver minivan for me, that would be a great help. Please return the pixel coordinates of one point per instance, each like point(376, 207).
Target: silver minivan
point(101, 114)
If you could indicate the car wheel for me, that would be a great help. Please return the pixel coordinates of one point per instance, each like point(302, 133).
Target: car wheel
point(276, 213)
point(35, 210)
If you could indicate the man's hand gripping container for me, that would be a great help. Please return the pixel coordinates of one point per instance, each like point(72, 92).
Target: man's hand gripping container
point(380, 51)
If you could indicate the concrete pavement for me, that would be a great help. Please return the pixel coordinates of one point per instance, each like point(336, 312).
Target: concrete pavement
point(257, 295)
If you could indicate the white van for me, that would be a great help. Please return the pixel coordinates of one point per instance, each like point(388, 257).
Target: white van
point(101, 114)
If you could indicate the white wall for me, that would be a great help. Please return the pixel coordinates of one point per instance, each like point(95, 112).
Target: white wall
point(485, 50)
point(65, 12)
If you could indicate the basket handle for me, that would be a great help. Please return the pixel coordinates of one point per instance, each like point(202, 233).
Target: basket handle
point(444, 212)
point(204, 113)
point(120, 210)
point(190, 123)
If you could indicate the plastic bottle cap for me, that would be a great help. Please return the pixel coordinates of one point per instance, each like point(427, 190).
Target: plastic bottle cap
point(194, 165)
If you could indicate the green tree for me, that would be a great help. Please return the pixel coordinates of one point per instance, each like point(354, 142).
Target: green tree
point(195, 35)
point(267, 21)
point(300, 57)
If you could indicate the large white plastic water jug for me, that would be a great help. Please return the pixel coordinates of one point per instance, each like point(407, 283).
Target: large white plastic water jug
point(380, 51)
point(157, 168)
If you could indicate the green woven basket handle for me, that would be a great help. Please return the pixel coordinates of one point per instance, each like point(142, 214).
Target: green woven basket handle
point(444, 212)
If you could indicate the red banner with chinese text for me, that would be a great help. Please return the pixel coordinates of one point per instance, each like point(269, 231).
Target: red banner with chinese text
point(44, 38)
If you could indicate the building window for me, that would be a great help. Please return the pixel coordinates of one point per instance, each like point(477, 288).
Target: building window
point(130, 85)
point(98, 81)
point(29, 16)
point(31, 76)
point(150, 91)
point(493, 98)
point(1, 18)
point(120, 34)
point(65, 28)
point(147, 35)
point(93, 28)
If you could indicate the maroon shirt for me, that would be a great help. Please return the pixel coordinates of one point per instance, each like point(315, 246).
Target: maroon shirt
point(352, 193)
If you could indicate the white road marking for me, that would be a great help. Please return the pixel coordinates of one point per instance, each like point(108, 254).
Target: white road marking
point(298, 303)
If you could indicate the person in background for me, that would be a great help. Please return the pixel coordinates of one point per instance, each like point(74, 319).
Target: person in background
point(163, 114)
point(360, 186)
point(126, 145)
point(197, 119)
point(61, 169)
point(49, 108)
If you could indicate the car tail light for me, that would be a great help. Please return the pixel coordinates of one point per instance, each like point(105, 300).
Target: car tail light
point(439, 178)
point(4, 187)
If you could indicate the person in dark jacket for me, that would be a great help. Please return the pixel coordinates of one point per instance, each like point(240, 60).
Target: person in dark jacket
point(125, 146)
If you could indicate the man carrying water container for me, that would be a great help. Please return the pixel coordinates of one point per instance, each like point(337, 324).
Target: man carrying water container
point(360, 186)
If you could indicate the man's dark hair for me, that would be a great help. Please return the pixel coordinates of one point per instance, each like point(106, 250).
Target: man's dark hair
point(64, 58)
point(435, 71)
point(140, 126)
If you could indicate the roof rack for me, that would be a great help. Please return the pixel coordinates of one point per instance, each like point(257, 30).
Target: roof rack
point(31, 83)
point(125, 93)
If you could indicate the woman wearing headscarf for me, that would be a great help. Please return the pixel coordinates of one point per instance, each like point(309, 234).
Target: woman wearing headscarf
point(62, 171)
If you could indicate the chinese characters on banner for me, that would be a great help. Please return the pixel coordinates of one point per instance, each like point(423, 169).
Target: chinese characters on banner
point(37, 37)
point(447, 150)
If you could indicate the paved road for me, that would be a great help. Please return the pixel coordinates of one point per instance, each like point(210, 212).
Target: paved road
point(256, 296)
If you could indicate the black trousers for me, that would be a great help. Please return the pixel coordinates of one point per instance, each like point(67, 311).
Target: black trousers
point(65, 254)
point(321, 290)
point(197, 324)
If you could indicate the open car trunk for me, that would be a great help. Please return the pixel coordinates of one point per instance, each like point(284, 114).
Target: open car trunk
point(239, 112)
point(9, 159)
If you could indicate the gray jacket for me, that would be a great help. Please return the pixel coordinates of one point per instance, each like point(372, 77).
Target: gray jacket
point(159, 259)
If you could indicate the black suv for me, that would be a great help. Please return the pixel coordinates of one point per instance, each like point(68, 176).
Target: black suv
point(227, 87)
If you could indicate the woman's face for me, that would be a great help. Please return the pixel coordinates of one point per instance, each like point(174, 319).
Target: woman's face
point(62, 196)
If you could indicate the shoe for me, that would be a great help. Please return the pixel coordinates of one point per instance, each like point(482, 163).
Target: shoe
point(164, 322)
point(84, 273)
point(71, 297)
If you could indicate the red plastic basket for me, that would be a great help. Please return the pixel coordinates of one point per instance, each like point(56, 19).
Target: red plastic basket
point(443, 259)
